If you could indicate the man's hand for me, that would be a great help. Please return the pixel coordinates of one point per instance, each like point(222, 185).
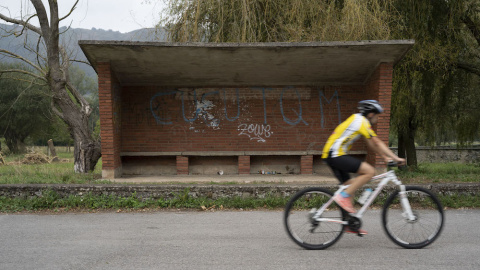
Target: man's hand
point(400, 161)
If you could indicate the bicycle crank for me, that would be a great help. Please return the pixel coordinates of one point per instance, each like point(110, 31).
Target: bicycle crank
point(355, 224)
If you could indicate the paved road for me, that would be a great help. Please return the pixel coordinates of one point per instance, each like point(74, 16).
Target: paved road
point(217, 240)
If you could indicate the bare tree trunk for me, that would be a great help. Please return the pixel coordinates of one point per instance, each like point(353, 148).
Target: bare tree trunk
point(410, 146)
point(86, 151)
point(401, 144)
point(401, 147)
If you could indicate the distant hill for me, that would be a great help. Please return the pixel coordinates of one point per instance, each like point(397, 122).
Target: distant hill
point(71, 37)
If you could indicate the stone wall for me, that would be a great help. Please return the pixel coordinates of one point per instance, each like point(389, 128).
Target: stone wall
point(210, 191)
point(447, 154)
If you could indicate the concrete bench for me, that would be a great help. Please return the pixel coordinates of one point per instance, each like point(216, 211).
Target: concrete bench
point(186, 162)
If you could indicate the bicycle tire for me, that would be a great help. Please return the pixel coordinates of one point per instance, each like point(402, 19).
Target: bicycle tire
point(302, 229)
point(421, 232)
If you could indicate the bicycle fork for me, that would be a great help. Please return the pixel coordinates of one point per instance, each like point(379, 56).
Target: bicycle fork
point(407, 210)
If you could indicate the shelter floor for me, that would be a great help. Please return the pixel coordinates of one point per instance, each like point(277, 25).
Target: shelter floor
point(240, 179)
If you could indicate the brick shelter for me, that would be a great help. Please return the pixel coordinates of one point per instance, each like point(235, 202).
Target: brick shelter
point(207, 108)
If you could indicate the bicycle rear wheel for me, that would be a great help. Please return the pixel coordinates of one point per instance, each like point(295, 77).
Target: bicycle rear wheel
point(299, 223)
point(418, 233)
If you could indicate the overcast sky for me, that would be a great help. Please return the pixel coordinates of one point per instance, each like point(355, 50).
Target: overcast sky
point(117, 15)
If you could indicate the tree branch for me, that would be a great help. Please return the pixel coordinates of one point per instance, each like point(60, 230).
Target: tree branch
point(71, 10)
point(23, 72)
point(472, 27)
point(13, 55)
point(43, 19)
point(80, 99)
point(80, 61)
point(469, 67)
point(53, 15)
point(22, 23)
point(57, 112)
point(18, 97)
point(38, 54)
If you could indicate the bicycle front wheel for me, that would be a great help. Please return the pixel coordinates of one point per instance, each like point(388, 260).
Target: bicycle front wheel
point(303, 229)
point(421, 231)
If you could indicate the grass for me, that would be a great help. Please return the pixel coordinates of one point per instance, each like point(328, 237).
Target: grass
point(62, 173)
point(50, 200)
point(442, 173)
point(51, 173)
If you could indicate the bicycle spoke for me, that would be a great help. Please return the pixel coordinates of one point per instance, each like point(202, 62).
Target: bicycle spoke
point(300, 225)
point(416, 233)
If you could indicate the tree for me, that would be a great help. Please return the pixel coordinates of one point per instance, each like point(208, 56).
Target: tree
point(23, 108)
point(88, 87)
point(52, 68)
point(276, 21)
point(435, 91)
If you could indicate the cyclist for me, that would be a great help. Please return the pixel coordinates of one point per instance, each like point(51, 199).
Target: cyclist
point(335, 151)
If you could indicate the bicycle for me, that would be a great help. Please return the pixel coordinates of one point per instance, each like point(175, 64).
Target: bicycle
point(412, 217)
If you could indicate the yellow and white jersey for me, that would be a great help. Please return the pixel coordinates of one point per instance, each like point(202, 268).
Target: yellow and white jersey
point(346, 133)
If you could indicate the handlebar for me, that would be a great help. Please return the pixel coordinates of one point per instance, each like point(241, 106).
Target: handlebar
point(392, 163)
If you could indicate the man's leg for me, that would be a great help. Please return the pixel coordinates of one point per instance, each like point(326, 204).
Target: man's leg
point(365, 173)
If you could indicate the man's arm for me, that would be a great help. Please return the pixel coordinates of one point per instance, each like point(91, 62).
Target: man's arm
point(382, 149)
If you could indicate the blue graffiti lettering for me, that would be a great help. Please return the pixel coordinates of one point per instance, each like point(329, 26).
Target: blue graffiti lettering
point(335, 94)
point(183, 108)
point(155, 108)
point(299, 114)
point(225, 104)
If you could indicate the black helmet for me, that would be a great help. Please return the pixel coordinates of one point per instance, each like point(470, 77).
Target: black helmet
point(368, 106)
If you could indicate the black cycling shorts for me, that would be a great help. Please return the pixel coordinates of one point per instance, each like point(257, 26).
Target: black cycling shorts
point(342, 166)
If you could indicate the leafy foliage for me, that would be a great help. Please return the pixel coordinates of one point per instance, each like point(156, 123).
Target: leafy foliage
point(276, 21)
point(432, 93)
point(24, 109)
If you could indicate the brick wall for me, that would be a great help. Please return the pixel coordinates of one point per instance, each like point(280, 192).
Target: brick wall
point(109, 93)
point(282, 118)
point(245, 119)
point(380, 87)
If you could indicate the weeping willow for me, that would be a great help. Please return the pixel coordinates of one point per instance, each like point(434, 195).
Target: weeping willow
point(277, 21)
point(432, 97)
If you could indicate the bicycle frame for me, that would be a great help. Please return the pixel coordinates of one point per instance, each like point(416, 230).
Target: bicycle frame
point(387, 177)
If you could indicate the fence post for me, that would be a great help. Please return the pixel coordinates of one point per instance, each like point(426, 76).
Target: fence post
point(52, 150)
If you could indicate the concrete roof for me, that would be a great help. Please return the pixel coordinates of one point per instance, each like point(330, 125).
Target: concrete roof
point(244, 64)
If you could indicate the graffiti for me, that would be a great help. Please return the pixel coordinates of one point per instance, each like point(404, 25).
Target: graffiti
point(321, 95)
point(202, 109)
point(225, 104)
point(255, 131)
point(299, 114)
point(204, 106)
point(155, 104)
